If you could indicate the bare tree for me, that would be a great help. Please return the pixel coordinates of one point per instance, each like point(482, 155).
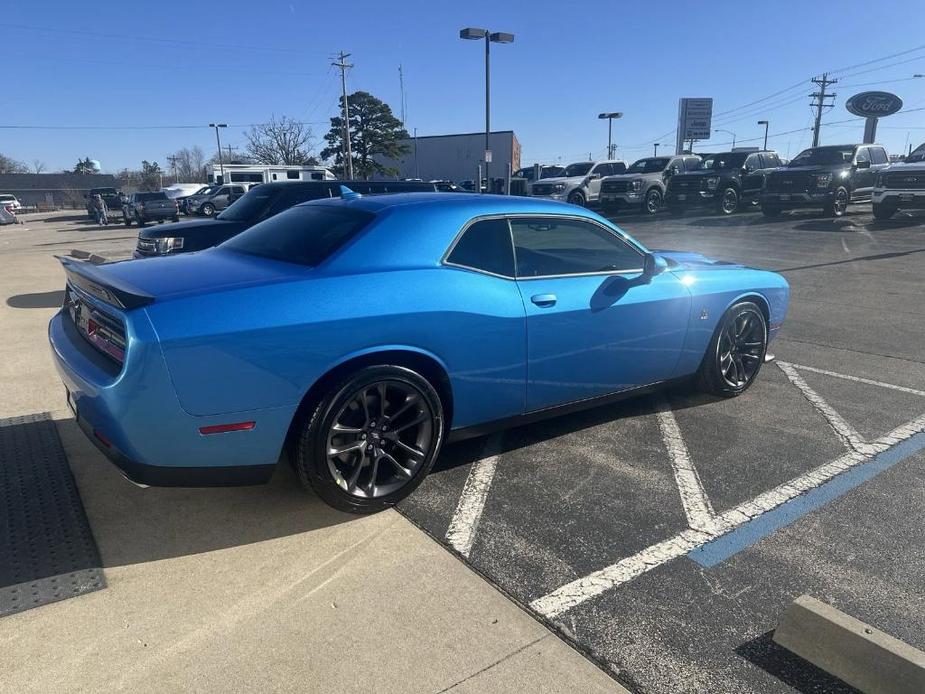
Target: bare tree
point(189, 163)
point(38, 166)
point(8, 165)
point(280, 141)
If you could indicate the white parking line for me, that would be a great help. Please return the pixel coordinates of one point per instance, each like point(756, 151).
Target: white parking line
point(706, 525)
point(580, 590)
point(465, 521)
point(843, 430)
point(697, 507)
point(858, 379)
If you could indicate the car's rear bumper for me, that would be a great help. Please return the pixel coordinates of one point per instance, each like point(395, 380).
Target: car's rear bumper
point(133, 417)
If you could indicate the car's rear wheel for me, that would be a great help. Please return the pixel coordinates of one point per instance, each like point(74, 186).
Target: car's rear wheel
point(371, 439)
point(653, 202)
point(577, 199)
point(208, 209)
point(736, 351)
point(839, 205)
point(729, 201)
point(882, 211)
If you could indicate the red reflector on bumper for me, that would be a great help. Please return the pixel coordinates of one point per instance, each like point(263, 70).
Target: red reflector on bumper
point(222, 428)
point(106, 442)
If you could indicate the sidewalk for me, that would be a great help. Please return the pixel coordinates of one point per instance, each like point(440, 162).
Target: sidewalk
point(251, 589)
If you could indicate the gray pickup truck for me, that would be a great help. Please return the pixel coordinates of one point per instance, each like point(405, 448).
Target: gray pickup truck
point(142, 208)
point(644, 183)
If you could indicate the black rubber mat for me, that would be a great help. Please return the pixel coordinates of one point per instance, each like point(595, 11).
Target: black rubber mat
point(47, 552)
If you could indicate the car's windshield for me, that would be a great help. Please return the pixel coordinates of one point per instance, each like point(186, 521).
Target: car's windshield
point(580, 169)
point(208, 190)
point(648, 165)
point(918, 154)
point(144, 197)
point(823, 156)
point(306, 234)
point(7, 197)
point(552, 172)
point(251, 206)
point(730, 160)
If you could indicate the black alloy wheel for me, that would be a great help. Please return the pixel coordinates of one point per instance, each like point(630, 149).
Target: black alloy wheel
point(653, 202)
point(372, 440)
point(577, 199)
point(736, 351)
point(729, 201)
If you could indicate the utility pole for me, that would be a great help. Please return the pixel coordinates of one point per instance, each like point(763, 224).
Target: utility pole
point(348, 155)
point(218, 142)
point(820, 103)
point(173, 165)
point(230, 152)
point(401, 84)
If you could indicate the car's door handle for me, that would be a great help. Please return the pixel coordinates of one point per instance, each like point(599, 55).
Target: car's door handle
point(544, 299)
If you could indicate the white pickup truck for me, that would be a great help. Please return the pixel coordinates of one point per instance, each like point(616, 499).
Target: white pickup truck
point(900, 186)
point(581, 182)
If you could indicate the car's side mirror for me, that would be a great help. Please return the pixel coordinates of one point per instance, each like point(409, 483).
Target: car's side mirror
point(863, 164)
point(652, 265)
point(594, 176)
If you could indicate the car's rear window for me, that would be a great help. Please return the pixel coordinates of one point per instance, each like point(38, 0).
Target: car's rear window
point(143, 197)
point(304, 235)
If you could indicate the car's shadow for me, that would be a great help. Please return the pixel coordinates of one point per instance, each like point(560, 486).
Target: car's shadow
point(37, 300)
point(133, 525)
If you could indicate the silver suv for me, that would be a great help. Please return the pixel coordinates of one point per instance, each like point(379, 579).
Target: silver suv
point(581, 182)
point(644, 183)
point(214, 199)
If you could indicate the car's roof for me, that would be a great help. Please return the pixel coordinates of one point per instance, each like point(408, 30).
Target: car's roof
point(475, 202)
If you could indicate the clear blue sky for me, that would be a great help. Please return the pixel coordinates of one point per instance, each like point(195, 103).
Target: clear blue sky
point(189, 63)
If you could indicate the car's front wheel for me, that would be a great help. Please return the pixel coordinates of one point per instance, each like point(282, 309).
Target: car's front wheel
point(838, 207)
point(208, 209)
point(371, 439)
point(729, 201)
point(882, 211)
point(736, 351)
point(577, 199)
point(653, 202)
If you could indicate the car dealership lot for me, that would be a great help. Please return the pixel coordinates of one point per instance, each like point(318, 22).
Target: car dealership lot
point(650, 534)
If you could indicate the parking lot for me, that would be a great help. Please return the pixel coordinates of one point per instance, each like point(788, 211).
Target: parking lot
point(661, 537)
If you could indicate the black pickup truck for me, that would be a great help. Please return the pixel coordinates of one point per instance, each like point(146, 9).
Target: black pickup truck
point(261, 202)
point(726, 182)
point(828, 177)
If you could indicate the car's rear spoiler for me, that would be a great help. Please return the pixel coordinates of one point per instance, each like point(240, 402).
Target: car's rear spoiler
point(96, 282)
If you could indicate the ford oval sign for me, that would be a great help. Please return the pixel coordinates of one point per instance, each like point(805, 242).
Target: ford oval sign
point(874, 104)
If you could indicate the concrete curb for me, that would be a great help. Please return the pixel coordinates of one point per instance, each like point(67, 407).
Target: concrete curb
point(849, 649)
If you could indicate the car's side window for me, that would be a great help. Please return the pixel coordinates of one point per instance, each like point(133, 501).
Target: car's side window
point(561, 246)
point(863, 154)
point(602, 170)
point(752, 163)
point(486, 246)
point(878, 155)
point(770, 160)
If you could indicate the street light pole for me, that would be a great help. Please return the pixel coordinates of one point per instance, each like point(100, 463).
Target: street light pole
point(765, 124)
point(610, 117)
point(655, 153)
point(472, 33)
point(218, 141)
point(720, 130)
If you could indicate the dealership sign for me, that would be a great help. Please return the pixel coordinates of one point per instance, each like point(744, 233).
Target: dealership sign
point(694, 120)
point(874, 104)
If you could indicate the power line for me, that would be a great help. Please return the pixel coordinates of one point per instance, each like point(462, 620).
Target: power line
point(877, 60)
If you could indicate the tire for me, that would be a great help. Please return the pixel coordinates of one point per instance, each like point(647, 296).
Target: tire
point(839, 205)
point(770, 210)
point(728, 201)
point(653, 202)
point(882, 211)
point(377, 473)
point(576, 198)
point(728, 372)
point(208, 209)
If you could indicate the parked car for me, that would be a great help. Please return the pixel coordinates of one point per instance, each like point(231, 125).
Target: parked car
point(644, 183)
point(726, 182)
point(145, 207)
point(829, 177)
point(447, 187)
point(580, 184)
point(112, 197)
point(10, 202)
point(900, 186)
point(183, 200)
point(261, 202)
point(522, 178)
point(365, 331)
point(214, 199)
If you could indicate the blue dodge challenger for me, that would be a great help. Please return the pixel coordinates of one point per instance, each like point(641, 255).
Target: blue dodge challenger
point(361, 333)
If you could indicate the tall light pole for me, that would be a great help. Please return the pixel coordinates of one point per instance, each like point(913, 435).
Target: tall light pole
point(656, 144)
point(609, 117)
point(720, 130)
point(473, 34)
point(218, 141)
point(765, 124)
